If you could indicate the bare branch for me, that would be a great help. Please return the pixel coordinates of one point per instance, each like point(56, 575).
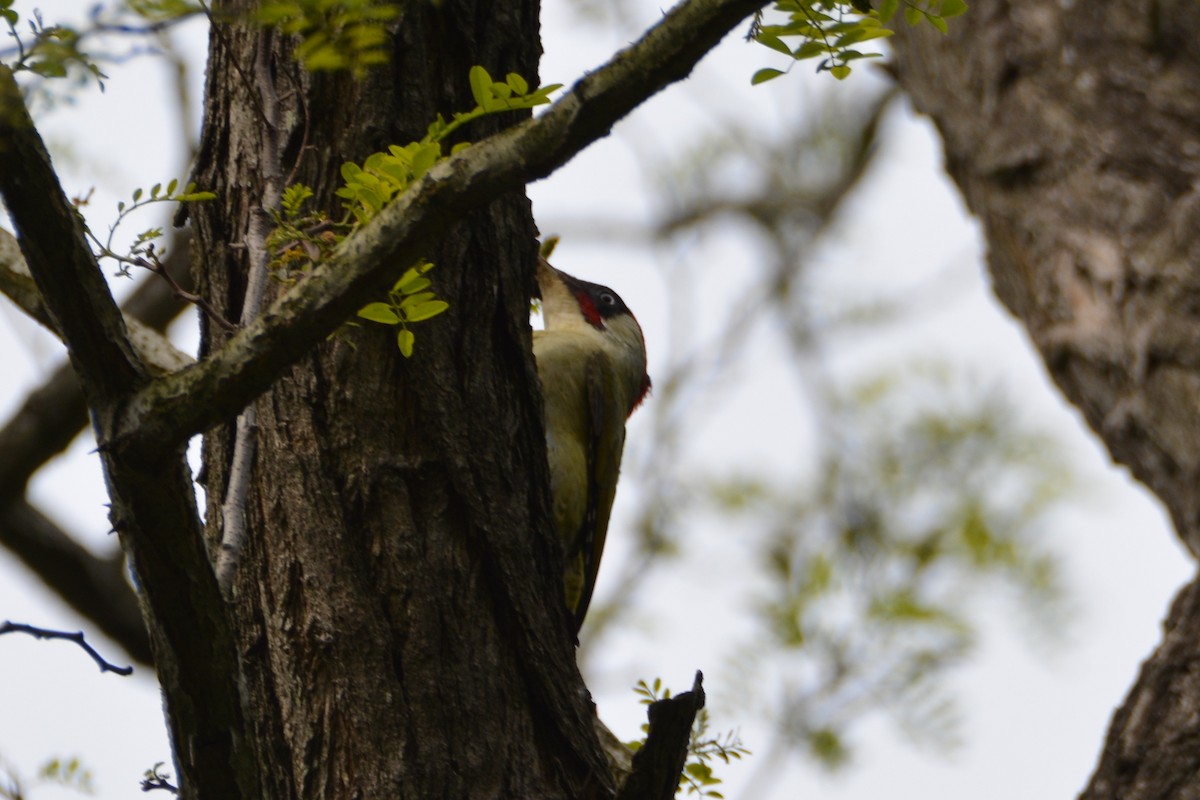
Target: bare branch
point(77, 638)
point(658, 764)
point(63, 266)
point(158, 268)
point(17, 283)
point(155, 781)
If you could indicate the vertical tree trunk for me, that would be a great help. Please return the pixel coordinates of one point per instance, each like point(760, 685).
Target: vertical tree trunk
point(1073, 131)
point(398, 606)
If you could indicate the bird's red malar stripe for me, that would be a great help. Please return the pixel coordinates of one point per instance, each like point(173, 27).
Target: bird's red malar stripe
point(590, 312)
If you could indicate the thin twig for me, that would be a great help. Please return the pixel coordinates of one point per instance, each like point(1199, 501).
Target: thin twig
point(156, 780)
point(77, 638)
point(156, 266)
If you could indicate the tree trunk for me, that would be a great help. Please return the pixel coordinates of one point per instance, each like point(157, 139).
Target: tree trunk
point(398, 606)
point(1073, 131)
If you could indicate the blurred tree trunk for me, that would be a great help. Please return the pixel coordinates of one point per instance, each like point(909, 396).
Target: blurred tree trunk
point(384, 634)
point(1073, 132)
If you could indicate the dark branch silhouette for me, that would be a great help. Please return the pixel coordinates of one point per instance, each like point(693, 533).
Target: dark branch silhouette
point(657, 765)
point(77, 638)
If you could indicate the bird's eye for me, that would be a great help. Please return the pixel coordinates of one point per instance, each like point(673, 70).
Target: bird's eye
point(608, 298)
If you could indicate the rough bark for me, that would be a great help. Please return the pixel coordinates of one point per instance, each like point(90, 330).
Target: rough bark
point(383, 652)
point(1073, 131)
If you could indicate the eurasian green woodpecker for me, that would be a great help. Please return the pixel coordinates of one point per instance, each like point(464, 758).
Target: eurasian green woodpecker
point(591, 359)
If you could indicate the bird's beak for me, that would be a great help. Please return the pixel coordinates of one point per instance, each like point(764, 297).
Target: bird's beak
point(546, 276)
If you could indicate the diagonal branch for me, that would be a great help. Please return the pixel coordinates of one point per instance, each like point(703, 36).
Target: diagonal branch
point(170, 410)
point(51, 236)
point(54, 413)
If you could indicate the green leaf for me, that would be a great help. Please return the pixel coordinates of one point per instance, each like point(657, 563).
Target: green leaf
point(424, 311)
point(481, 86)
point(810, 50)
point(861, 35)
point(325, 58)
point(854, 55)
point(887, 9)
point(412, 276)
point(913, 15)
point(519, 85)
point(774, 42)
point(939, 22)
point(765, 74)
point(416, 299)
point(416, 285)
point(404, 340)
point(196, 197)
point(543, 92)
point(952, 8)
point(841, 71)
point(172, 186)
point(425, 158)
point(379, 312)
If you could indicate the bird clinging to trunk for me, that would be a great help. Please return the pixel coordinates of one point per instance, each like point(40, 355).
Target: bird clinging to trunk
point(591, 359)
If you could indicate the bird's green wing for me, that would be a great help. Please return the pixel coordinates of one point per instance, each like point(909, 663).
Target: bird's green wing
point(606, 440)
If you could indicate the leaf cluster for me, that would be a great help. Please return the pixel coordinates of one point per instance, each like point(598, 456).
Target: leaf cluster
point(831, 29)
point(301, 239)
point(334, 34)
point(69, 773)
point(50, 51)
point(408, 302)
point(384, 176)
point(142, 247)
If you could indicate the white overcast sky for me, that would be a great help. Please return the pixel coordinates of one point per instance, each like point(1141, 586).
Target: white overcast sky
point(1034, 715)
